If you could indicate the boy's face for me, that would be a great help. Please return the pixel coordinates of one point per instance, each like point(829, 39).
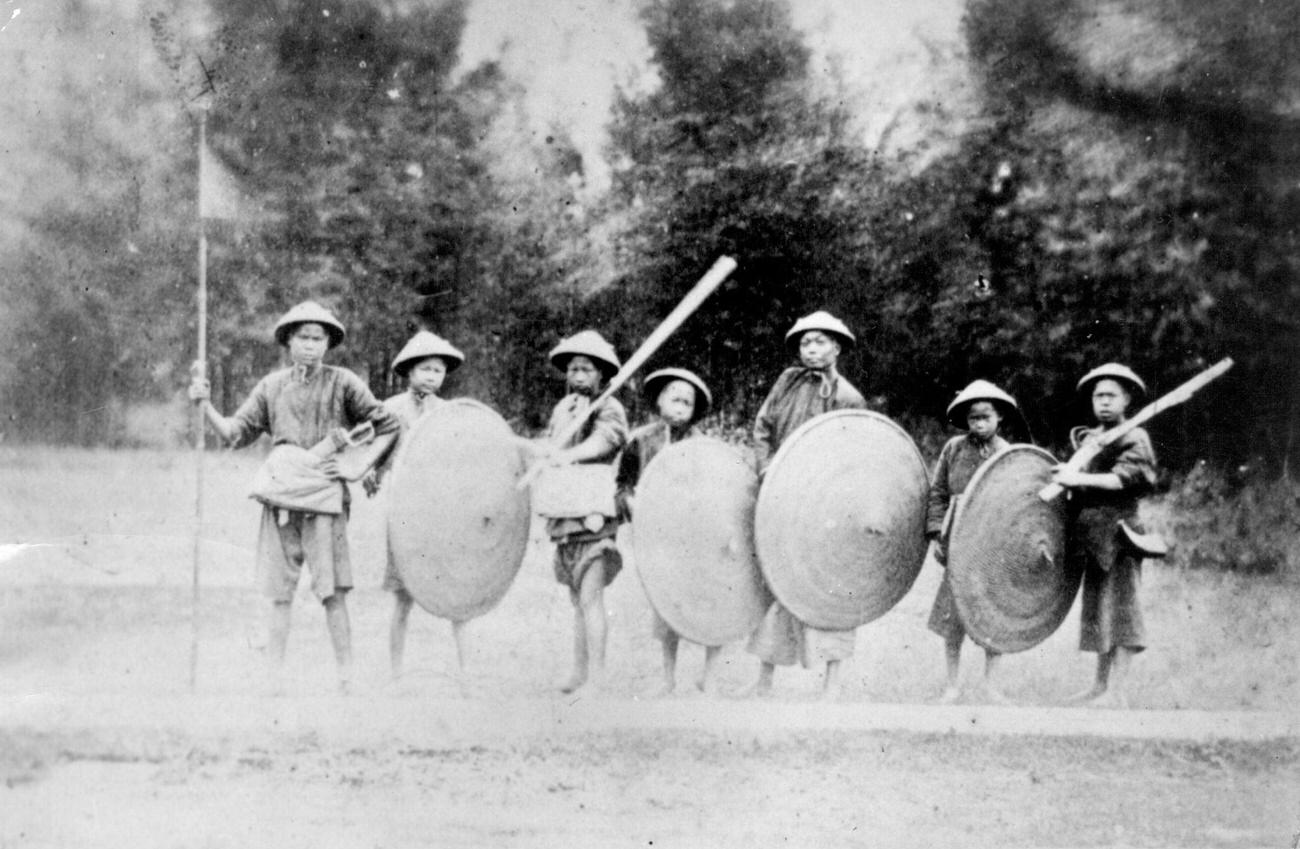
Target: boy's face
point(308, 344)
point(1110, 401)
point(677, 403)
point(818, 350)
point(582, 375)
point(427, 375)
point(982, 418)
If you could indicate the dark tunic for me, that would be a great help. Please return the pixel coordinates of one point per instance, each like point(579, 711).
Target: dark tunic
point(799, 395)
point(301, 412)
point(1111, 615)
point(577, 548)
point(957, 464)
point(297, 409)
point(642, 447)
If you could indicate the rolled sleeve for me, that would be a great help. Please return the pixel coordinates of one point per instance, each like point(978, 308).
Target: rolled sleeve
point(1136, 464)
point(362, 405)
point(608, 430)
point(940, 492)
point(253, 418)
point(763, 425)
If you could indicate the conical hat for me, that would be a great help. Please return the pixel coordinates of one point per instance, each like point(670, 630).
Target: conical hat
point(457, 522)
point(656, 381)
point(1114, 371)
point(426, 344)
point(823, 321)
point(840, 522)
point(693, 541)
point(979, 390)
point(590, 344)
point(309, 312)
point(1006, 554)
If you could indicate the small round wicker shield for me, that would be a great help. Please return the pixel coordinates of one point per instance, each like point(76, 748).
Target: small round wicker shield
point(457, 524)
point(840, 522)
point(693, 539)
point(1006, 554)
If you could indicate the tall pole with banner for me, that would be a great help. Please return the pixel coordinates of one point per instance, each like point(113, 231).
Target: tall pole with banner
point(201, 368)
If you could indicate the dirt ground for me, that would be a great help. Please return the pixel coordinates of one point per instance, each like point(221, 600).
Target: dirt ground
point(103, 744)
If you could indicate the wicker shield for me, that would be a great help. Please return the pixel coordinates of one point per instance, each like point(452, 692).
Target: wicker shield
point(693, 538)
point(457, 524)
point(1006, 556)
point(840, 523)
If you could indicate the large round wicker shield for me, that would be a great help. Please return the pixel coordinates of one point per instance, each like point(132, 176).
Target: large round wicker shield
point(693, 538)
point(457, 523)
point(840, 522)
point(1006, 553)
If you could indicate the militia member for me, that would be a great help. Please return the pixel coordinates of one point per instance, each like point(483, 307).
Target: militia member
point(425, 361)
point(979, 409)
point(586, 557)
point(682, 399)
point(801, 393)
point(301, 406)
point(1102, 536)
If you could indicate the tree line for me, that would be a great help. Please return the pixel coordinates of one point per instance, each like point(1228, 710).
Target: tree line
point(1088, 214)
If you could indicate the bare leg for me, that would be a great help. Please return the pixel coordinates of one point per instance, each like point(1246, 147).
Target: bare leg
point(340, 628)
point(763, 686)
point(1099, 684)
point(397, 631)
point(462, 656)
point(708, 683)
point(989, 689)
point(952, 659)
point(277, 632)
point(668, 642)
point(579, 676)
point(831, 683)
point(1116, 693)
point(592, 598)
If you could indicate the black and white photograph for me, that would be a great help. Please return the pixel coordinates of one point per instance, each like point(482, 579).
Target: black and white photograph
point(649, 423)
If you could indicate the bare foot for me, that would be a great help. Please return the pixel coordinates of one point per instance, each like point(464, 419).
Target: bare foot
point(1110, 699)
point(664, 690)
point(275, 683)
point(949, 696)
point(1086, 696)
point(994, 696)
point(573, 684)
point(709, 687)
point(760, 689)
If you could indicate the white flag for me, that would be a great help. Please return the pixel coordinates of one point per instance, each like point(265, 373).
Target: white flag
point(220, 196)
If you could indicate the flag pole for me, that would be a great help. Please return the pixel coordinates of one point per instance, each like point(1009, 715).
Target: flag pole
point(202, 368)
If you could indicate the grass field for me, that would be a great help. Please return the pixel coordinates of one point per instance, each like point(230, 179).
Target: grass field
point(95, 616)
point(121, 523)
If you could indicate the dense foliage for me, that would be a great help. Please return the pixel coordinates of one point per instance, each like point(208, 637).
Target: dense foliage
point(1129, 192)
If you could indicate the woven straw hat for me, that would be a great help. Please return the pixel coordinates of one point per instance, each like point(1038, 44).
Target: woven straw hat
point(425, 344)
point(980, 390)
point(823, 321)
point(309, 312)
point(1114, 371)
point(587, 343)
point(655, 383)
